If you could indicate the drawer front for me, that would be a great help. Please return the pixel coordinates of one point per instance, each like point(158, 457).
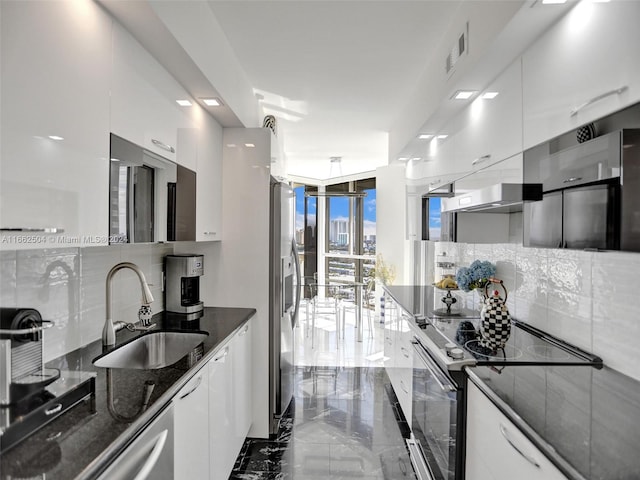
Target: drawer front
point(497, 449)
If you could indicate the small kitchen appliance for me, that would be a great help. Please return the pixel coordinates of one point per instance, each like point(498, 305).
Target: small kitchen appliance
point(32, 395)
point(182, 283)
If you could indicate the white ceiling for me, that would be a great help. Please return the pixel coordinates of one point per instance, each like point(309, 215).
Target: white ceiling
point(342, 77)
point(340, 71)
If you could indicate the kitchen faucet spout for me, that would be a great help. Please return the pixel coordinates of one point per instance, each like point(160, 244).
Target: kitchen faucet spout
point(109, 330)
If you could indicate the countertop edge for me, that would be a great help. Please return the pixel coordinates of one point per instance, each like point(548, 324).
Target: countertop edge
point(564, 466)
point(97, 466)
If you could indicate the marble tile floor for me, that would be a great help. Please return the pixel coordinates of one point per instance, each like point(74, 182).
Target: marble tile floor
point(342, 424)
point(347, 352)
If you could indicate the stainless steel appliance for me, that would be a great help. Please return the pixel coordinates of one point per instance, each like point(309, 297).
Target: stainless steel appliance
point(590, 198)
point(443, 346)
point(284, 299)
point(31, 395)
point(182, 283)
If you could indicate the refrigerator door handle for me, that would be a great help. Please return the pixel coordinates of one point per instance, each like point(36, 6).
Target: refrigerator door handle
point(296, 261)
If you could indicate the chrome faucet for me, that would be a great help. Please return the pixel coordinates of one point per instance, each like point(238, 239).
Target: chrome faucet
point(110, 329)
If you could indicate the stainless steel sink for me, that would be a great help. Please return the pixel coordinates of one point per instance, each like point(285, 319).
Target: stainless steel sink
point(151, 350)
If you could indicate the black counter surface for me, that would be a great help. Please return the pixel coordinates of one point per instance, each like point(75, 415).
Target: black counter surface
point(80, 443)
point(580, 416)
point(586, 420)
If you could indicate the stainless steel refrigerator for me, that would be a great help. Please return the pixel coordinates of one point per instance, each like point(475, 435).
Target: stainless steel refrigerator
point(284, 300)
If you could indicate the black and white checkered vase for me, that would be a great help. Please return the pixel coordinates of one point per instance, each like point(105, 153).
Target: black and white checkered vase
point(495, 327)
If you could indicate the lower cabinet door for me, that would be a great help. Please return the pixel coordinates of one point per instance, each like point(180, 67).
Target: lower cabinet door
point(150, 456)
point(191, 428)
point(497, 449)
point(242, 384)
point(222, 454)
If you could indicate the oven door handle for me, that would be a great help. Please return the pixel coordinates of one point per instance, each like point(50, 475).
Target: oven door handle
point(438, 376)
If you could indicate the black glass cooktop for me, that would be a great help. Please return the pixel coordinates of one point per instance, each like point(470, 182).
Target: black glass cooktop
point(526, 345)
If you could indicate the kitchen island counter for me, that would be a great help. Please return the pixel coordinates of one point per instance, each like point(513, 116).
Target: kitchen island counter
point(83, 441)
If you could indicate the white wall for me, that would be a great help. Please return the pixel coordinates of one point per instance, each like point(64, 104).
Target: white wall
point(391, 220)
point(589, 299)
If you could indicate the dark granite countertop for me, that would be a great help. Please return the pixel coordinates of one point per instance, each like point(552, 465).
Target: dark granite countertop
point(587, 421)
point(82, 441)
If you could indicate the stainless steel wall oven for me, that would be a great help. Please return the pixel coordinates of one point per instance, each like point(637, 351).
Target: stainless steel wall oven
point(437, 423)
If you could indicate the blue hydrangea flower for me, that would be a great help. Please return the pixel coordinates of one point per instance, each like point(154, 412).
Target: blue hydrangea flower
point(476, 275)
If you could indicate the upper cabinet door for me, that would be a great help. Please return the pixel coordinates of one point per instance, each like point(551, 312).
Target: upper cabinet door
point(492, 125)
point(54, 167)
point(209, 181)
point(585, 67)
point(143, 100)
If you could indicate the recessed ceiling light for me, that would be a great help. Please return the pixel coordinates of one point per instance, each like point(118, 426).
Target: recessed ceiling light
point(403, 159)
point(115, 159)
point(415, 159)
point(56, 137)
point(212, 102)
point(249, 145)
point(442, 137)
point(489, 95)
point(184, 103)
point(425, 136)
point(463, 94)
point(231, 145)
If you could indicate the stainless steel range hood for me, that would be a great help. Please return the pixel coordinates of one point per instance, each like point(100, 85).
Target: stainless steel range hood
point(499, 198)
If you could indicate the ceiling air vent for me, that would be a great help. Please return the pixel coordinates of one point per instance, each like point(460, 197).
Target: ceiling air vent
point(456, 51)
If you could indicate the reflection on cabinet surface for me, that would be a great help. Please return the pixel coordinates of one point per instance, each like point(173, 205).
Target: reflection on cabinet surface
point(54, 123)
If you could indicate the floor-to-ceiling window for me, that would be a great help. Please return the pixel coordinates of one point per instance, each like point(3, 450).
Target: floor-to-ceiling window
point(350, 231)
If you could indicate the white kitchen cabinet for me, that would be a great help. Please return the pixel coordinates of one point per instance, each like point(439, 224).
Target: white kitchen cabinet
point(191, 428)
point(52, 88)
point(404, 363)
point(150, 456)
point(209, 181)
point(398, 354)
point(497, 449)
point(221, 414)
point(491, 129)
point(242, 382)
point(143, 99)
point(589, 53)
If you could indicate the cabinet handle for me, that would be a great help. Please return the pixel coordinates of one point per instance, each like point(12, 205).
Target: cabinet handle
point(243, 332)
point(193, 389)
point(572, 179)
point(53, 410)
point(403, 387)
point(616, 91)
point(163, 146)
point(224, 354)
point(153, 457)
point(209, 233)
point(26, 229)
point(528, 458)
point(481, 159)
